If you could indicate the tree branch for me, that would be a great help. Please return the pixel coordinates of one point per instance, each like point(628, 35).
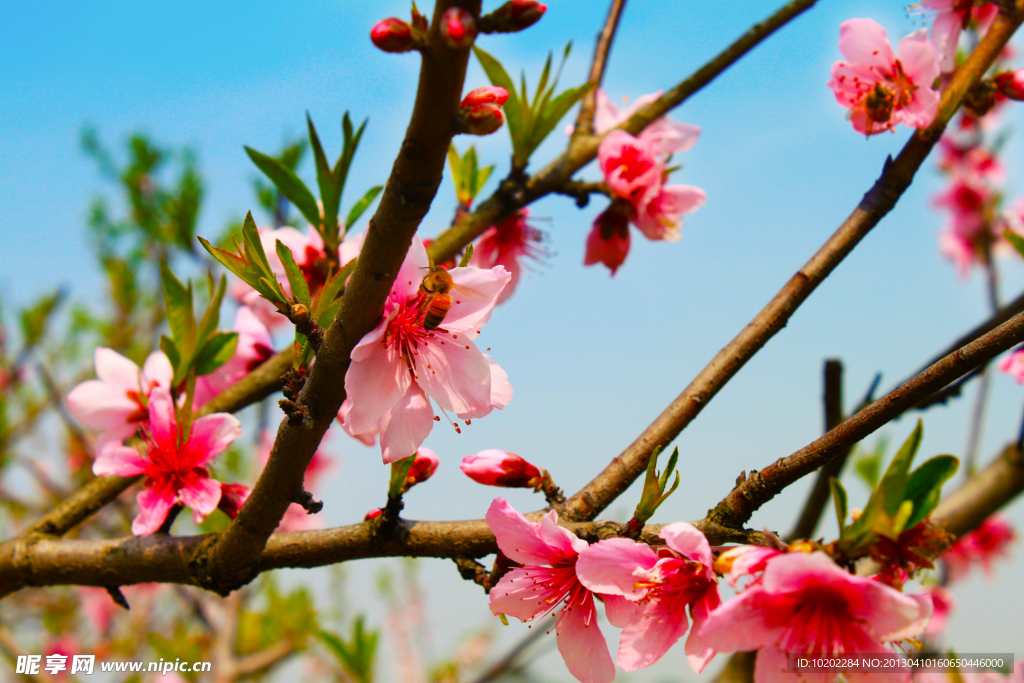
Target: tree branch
point(760, 487)
point(984, 493)
point(585, 119)
point(879, 200)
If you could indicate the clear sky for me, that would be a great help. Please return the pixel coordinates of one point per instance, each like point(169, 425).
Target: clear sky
point(592, 359)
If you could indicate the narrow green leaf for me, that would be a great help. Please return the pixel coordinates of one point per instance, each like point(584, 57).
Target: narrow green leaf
point(557, 109)
point(399, 472)
point(211, 317)
point(893, 485)
point(348, 151)
point(360, 207)
point(330, 194)
point(34, 318)
point(1016, 240)
point(543, 82)
point(839, 499)
point(289, 185)
point(178, 304)
point(455, 163)
point(466, 257)
point(171, 351)
point(233, 262)
point(296, 280)
point(497, 75)
point(217, 351)
point(900, 519)
point(925, 486)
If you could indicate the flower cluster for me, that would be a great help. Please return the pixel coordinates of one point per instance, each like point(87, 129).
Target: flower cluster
point(635, 169)
point(795, 601)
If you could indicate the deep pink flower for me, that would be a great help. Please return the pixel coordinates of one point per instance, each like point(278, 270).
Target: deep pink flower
point(392, 35)
point(480, 110)
point(970, 160)
point(400, 363)
point(881, 89)
point(659, 586)
point(667, 136)
point(515, 15)
point(174, 467)
point(608, 241)
point(659, 214)
point(983, 546)
point(253, 348)
point(493, 467)
point(804, 603)
point(505, 244)
point(423, 467)
point(232, 498)
point(1011, 84)
point(1013, 364)
point(458, 28)
point(943, 604)
point(546, 583)
point(115, 404)
point(744, 560)
point(630, 165)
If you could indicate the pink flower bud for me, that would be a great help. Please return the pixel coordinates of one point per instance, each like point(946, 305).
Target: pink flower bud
point(480, 110)
point(514, 15)
point(373, 514)
point(494, 467)
point(458, 28)
point(423, 467)
point(1011, 84)
point(608, 241)
point(232, 498)
point(392, 35)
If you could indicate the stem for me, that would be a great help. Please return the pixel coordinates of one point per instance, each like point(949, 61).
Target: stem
point(981, 398)
point(585, 119)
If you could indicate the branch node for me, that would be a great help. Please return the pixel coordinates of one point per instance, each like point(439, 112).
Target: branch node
point(296, 413)
point(117, 596)
point(308, 503)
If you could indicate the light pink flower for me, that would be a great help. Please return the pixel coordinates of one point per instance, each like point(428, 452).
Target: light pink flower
point(630, 165)
point(744, 560)
point(505, 244)
point(943, 604)
point(659, 214)
point(175, 467)
point(1013, 364)
point(668, 137)
point(660, 587)
point(400, 363)
point(115, 404)
point(804, 603)
point(951, 17)
point(989, 542)
point(253, 348)
point(494, 467)
point(546, 582)
point(880, 88)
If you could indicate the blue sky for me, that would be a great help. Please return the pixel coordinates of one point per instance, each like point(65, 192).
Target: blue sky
point(592, 359)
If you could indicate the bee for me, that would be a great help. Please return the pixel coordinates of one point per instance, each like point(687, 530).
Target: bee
point(436, 300)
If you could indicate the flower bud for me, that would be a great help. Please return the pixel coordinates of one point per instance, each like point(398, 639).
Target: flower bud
point(232, 498)
point(608, 241)
point(495, 467)
point(1011, 84)
point(480, 110)
point(392, 35)
point(373, 514)
point(423, 467)
point(458, 28)
point(300, 313)
point(514, 15)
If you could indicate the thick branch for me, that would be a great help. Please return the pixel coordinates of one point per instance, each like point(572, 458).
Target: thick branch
point(984, 493)
point(585, 119)
point(511, 196)
point(230, 560)
point(760, 487)
point(879, 200)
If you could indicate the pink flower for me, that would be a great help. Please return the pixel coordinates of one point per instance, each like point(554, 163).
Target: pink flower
point(458, 28)
point(951, 17)
point(804, 603)
point(1013, 364)
point(668, 137)
point(232, 498)
point(392, 35)
point(480, 110)
point(608, 241)
point(660, 587)
point(943, 604)
point(423, 467)
point(494, 467)
point(744, 560)
point(659, 213)
point(880, 89)
point(400, 363)
point(175, 467)
point(505, 244)
point(630, 165)
point(546, 582)
point(983, 546)
point(1011, 84)
point(254, 347)
point(971, 161)
point(115, 404)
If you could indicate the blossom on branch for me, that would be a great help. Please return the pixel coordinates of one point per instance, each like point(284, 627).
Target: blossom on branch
point(254, 347)
point(480, 110)
point(505, 244)
point(405, 360)
point(951, 18)
point(494, 467)
point(458, 28)
point(989, 542)
point(173, 463)
point(547, 582)
point(116, 403)
point(881, 88)
point(392, 35)
point(658, 587)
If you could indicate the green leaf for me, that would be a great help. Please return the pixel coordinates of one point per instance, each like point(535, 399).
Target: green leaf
point(1016, 240)
point(233, 262)
point(497, 75)
point(466, 257)
point(925, 486)
point(170, 350)
point(178, 303)
point(211, 317)
point(296, 280)
point(348, 151)
point(290, 186)
point(360, 207)
point(264, 280)
point(217, 351)
point(330, 193)
point(839, 499)
point(399, 473)
point(34, 318)
point(554, 111)
point(356, 656)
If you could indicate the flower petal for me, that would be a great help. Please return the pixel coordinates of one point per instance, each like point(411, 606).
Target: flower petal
point(559, 538)
point(917, 55)
point(120, 460)
point(473, 298)
point(202, 496)
point(582, 645)
point(698, 652)
point(518, 538)
point(116, 370)
point(374, 385)
point(458, 378)
point(162, 421)
point(519, 594)
point(406, 426)
point(865, 41)
point(211, 435)
point(620, 611)
point(103, 406)
point(607, 566)
point(685, 539)
point(157, 371)
point(741, 623)
point(645, 640)
point(154, 504)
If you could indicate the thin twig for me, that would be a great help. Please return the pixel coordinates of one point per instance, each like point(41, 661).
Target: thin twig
point(981, 398)
point(585, 119)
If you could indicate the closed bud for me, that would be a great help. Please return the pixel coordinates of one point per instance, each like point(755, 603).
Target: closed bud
point(495, 467)
point(423, 467)
point(514, 15)
point(458, 28)
point(300, 313)
point(392, 35)
point(232, 498)
point(608, 242)
point(1011, 84)
point(480, 111)
point(372, 514)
